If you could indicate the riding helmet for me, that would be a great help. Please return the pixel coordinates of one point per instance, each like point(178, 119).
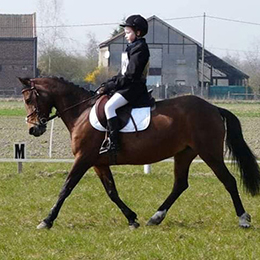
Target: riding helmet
point(138, 23)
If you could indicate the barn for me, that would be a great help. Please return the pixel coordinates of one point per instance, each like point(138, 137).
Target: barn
point(18, 51)
point(176, 63)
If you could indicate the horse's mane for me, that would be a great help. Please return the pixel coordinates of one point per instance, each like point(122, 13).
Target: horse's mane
point(70, 84)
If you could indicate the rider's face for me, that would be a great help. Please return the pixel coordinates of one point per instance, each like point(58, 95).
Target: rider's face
point(129, 34)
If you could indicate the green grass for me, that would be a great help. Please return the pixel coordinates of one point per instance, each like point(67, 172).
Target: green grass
point(248, 109)
point(200, 225)
point(12, 108)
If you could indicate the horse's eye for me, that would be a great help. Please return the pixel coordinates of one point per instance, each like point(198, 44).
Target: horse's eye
point(28, 101)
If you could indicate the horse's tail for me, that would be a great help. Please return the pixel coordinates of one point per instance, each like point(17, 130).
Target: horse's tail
point(241, 153)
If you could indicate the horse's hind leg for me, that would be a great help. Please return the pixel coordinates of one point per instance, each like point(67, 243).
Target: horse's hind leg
point(182, 162)
point(107, 180)
point(223, 174)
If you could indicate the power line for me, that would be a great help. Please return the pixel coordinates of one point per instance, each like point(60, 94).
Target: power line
point(113, 23)
point(59, 26)
point(76, 25)
point(232, 20)
point(92, 24)
point(183, 18)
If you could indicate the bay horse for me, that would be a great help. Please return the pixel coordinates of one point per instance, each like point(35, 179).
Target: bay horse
point(183, 127)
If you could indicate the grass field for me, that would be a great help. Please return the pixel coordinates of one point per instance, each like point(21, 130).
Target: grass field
point(200, 225)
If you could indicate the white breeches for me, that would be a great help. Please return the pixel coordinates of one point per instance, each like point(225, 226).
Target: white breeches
point(116, 101)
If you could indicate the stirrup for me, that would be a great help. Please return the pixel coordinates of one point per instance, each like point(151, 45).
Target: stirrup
point(105, 146)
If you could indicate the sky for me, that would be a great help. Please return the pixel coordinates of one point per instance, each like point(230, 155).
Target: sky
point(223, 36)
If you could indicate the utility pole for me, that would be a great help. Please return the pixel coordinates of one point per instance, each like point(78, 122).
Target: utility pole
point(202, 56)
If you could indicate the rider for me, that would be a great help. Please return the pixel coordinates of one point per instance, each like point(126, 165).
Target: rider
point(129, 86)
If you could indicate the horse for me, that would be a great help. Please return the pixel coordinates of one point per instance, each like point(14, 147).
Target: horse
point(183, 127)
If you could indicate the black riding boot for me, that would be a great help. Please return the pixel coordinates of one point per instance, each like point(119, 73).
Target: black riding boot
point(112, 143)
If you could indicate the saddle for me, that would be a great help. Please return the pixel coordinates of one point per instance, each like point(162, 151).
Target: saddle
point(123, 113)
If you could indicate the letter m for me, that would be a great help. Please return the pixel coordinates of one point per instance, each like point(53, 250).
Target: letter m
point(19, 151)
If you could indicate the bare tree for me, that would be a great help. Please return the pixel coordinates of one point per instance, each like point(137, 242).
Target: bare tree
point(49, 21)
point(250, 65)
point(50, 34)
point(91, 52)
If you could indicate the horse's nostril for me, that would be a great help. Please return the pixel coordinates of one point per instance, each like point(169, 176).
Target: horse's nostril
point(31, 131)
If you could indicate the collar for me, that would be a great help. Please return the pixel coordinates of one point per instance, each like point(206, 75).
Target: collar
point(134, 43)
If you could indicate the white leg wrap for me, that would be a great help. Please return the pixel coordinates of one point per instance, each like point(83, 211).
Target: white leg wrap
point(244, 220)
point(159, 215)
point(157, 218)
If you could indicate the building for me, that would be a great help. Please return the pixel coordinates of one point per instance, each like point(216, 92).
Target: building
point(18, 51)
point(175, 61)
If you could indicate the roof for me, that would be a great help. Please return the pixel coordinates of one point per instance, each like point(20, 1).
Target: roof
point(17, 25)
point(209, 57)
point(222, 65)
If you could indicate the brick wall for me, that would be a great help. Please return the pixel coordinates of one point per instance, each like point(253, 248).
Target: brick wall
point(17, 59)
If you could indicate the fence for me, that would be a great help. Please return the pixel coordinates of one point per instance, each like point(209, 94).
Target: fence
point(170, 91)
point(209, 92)
point(52, 147)
point(13, 129)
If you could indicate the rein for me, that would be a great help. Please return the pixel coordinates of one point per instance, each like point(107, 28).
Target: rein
point(58, 114)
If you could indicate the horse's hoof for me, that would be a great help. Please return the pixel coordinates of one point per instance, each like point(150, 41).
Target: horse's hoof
point(157, 218)
point(134, 225)
point(44, 225)
point(244, 220)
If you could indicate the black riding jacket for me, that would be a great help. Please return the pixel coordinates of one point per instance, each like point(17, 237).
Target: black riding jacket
point(132, 85)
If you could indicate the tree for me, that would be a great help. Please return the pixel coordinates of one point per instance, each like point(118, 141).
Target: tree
point(91, 53)
point(234, 60)
point(54, 59)
point(252, 68)
point(50, 33)
point(250, 65)
point(99, 75)
point(118, 30)
point(63, 64)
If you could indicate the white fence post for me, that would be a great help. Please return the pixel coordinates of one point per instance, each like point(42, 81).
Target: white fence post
point(147, 168)
point(51, 138)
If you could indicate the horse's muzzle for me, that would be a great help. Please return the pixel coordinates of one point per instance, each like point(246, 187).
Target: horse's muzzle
point(37, 130)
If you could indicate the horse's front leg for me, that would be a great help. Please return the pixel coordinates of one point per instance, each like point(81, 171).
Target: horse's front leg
point(78, 170)
point(107, 180)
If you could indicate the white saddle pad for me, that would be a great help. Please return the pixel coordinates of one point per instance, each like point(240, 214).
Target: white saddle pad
point(142, 117)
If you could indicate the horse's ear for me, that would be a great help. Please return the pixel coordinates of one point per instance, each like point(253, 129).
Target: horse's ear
point(24, 81)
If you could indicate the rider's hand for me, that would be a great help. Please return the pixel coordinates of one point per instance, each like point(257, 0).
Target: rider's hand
point(107, 87)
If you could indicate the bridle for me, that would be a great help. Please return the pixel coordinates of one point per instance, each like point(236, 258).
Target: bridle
point(44, 120)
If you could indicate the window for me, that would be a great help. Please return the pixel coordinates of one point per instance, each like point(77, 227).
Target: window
point(180, 82)
point(154, 80)
point(155, 71)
